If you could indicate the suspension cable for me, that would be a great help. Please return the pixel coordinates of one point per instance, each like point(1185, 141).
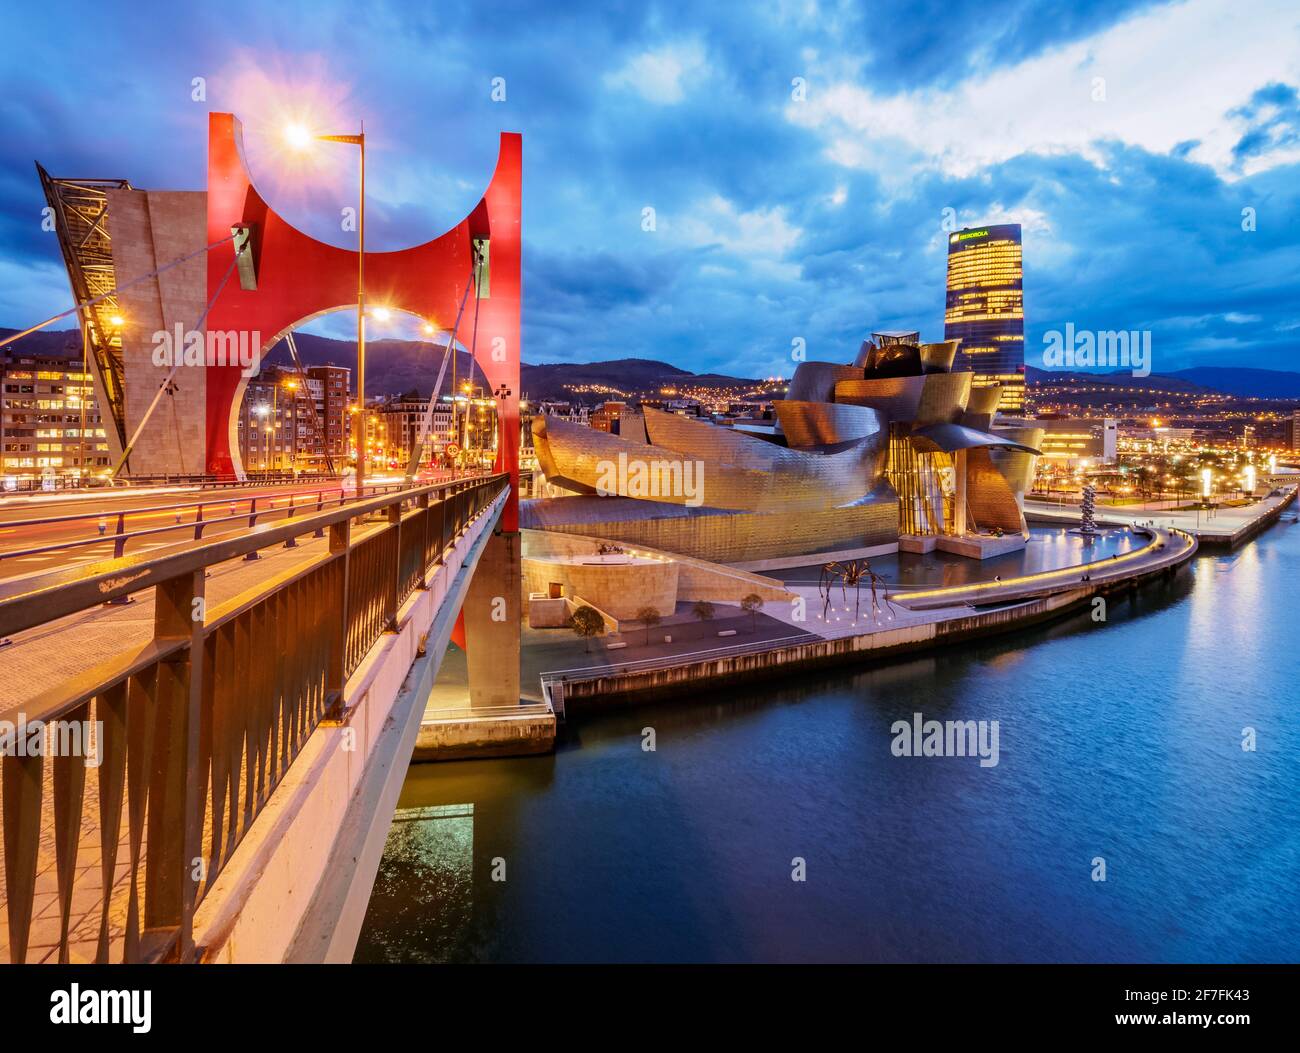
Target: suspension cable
point(121, 288)
point(412, 461)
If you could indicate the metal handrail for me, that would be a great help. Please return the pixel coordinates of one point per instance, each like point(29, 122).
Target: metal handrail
point(198, 525)
point(28, 602)
point(198, 726)
point(180, 505)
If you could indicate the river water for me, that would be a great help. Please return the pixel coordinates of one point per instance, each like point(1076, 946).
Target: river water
point(1119, 741)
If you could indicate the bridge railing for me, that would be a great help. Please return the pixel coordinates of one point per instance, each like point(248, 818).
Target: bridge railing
point(190, 733)
point(258, 507)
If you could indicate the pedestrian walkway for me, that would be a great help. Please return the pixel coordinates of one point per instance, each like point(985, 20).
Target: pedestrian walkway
point(1221, 525)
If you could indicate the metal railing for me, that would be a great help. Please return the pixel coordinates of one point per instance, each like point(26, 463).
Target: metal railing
point(287, 505)
point(197, 727)
point(35, 484)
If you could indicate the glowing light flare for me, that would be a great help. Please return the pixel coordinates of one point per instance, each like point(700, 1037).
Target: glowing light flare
point(297, 135)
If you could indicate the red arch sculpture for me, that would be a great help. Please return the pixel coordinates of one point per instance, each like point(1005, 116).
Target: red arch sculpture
point(299, 278)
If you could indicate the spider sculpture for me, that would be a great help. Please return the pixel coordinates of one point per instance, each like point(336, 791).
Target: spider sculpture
point(851, 575)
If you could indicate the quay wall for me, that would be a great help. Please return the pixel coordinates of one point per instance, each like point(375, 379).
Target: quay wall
point(636, 685)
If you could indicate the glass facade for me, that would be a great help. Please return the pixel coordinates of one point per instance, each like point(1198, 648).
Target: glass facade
point(984, 308)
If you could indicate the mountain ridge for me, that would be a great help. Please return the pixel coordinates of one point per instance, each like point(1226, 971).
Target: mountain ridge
point(399, 366)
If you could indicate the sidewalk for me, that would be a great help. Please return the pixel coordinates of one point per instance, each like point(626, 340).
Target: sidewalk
point(1223, 525)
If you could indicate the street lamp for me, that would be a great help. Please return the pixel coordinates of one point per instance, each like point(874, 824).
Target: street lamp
point(299, 137)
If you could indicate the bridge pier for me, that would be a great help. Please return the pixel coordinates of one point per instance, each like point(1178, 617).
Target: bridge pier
point(492, 614)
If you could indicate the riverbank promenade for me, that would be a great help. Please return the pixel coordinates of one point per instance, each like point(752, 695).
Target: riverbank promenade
point(1216, 527)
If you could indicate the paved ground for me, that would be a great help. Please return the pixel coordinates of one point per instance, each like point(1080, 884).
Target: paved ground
point(1219, 524)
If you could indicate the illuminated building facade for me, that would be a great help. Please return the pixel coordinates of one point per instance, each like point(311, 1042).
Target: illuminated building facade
point(606, 418)
point(984, 308)
point(283, 425)
point(49, 420)
point(1079, 440)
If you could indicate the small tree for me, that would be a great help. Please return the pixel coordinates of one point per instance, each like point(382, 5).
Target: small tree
point(649, 617)
point(703, 610)
point(586, 622)
point(752, 604)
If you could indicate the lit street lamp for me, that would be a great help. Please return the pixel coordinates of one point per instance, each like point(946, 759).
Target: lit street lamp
point(299, 137)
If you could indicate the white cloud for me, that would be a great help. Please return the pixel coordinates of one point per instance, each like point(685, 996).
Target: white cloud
point(658, 75)
point(763, 232)
point(1171, 75)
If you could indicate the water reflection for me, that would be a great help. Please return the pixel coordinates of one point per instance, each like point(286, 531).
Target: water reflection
point(1047, 549)
point(1121, 739)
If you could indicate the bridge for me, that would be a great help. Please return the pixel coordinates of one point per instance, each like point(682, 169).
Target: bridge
point(248, 725)
point(212, 682)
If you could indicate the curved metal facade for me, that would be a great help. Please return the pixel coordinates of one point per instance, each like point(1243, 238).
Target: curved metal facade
point(691, 463)
point(865, 457)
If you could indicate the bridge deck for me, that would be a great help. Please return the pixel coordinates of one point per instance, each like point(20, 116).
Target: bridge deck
point(42, 658)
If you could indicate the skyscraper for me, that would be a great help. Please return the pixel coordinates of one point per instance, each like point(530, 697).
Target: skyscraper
point(984, 308)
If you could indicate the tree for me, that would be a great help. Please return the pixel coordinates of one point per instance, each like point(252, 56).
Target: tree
point(649, 617)
point(703, 610)
point(753, 603)
point(586, 622)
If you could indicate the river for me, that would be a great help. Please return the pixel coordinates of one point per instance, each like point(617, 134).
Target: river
point(1119, 741)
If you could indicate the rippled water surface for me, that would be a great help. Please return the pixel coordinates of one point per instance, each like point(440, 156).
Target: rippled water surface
point(1120, 741)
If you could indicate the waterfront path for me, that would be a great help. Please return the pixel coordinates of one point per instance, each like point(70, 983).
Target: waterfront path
point(852, 628)
point(1221, 526)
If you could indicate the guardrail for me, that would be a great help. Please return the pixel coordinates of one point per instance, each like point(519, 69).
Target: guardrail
point(196, 728)
point(198, 525)
point(28, 484)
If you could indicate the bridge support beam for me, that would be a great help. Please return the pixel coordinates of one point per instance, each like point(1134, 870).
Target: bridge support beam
point(492, 614)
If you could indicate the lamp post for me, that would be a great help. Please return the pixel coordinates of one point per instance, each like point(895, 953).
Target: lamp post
point(299, 136)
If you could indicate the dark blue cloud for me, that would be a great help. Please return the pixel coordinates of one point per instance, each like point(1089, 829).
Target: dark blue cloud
point(759, 240)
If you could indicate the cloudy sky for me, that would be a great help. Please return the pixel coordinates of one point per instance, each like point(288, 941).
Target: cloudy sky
point(800, 161)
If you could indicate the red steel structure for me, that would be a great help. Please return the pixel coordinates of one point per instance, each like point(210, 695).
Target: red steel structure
point(299, 278)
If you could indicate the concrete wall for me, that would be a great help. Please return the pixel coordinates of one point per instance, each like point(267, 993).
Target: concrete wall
point(697, 579)
point(620, 589)
point(151, 228)
point(690, 677)
point(442, 740)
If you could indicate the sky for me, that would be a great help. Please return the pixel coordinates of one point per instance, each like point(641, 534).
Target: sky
point(804, 161)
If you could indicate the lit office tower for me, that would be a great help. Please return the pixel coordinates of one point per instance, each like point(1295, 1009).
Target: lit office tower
point(985, 308)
